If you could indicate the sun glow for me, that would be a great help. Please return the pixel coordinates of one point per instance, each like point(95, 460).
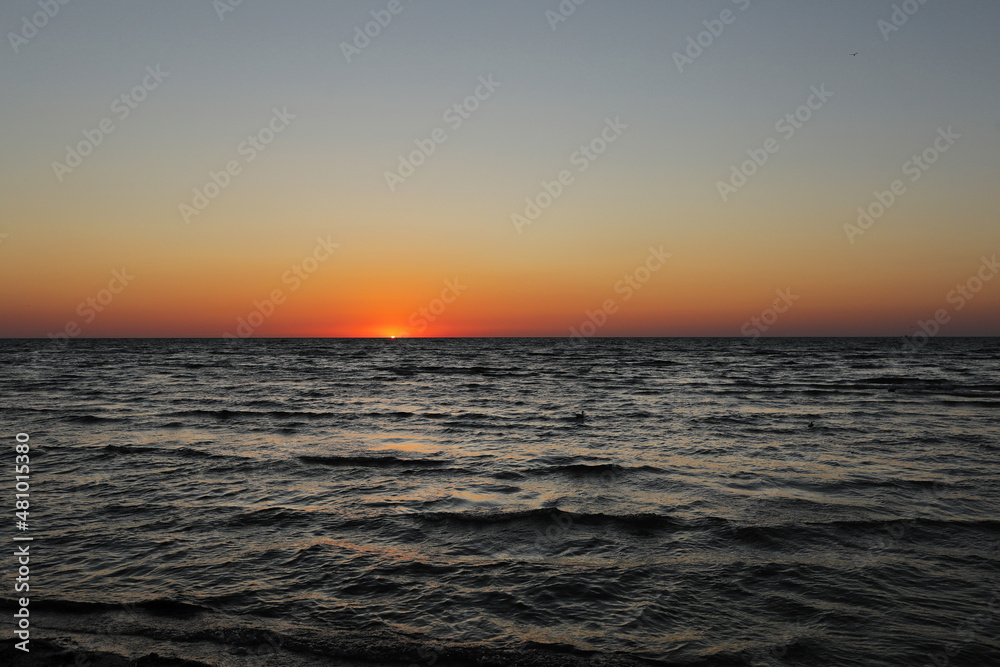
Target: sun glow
point(390, 332)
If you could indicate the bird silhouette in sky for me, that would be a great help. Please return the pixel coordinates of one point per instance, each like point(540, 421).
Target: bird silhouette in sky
point(854, 54)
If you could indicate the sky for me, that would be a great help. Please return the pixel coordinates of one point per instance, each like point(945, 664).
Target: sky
point(516, 168)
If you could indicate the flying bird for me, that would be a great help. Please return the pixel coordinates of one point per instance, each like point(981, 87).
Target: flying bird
point(854, 54)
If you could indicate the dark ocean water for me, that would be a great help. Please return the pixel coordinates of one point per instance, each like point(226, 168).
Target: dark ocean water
point(422, 502)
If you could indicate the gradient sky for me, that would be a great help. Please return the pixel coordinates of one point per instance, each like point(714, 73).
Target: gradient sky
point(656, 185)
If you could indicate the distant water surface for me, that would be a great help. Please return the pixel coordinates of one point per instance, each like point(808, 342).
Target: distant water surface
point(710, 501)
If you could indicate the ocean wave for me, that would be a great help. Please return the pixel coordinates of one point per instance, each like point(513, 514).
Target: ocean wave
point(269, 516)
point(588, 469)
point(393, 414)
point(232, 642)
point(282, 517)
point(782, 534)
point(971, 403)
point(187, 452)
point(156, 607)
point(370, 461)
point(987, 525)
point(217, 414)
point(892, 379)
point(226, 414)
point(552, 515)
point(446, 370)
point(89, 419)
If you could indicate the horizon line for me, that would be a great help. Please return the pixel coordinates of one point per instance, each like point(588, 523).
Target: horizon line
point(577, 338)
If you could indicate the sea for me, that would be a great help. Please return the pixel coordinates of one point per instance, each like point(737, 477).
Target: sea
point(506, 502)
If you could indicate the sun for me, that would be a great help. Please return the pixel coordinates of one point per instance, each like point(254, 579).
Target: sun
point(387, 332)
